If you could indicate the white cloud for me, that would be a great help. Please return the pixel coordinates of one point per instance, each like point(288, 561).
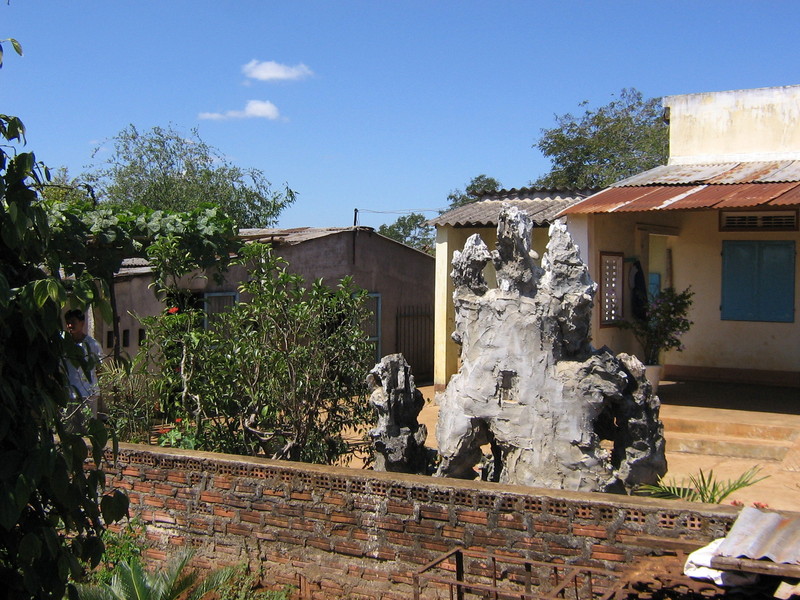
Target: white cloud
point(269, 70)
point(254, 109)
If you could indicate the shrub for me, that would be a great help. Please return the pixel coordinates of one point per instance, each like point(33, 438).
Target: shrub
point(666, 321)
point(129, 396)
point(281, 374)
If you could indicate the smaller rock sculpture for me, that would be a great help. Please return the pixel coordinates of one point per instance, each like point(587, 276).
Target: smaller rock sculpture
point(398, 438)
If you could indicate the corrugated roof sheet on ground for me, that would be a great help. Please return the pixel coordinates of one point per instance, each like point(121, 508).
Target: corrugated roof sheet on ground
point(757, 535)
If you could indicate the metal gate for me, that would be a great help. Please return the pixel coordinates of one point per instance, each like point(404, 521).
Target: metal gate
point(415, 340)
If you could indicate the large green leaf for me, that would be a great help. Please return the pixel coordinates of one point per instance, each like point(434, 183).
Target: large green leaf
point(114, 506)
point(30, 548)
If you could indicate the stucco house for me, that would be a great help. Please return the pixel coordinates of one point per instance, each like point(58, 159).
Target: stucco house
point(721, 217)
point(452, 230)
point(398, 278)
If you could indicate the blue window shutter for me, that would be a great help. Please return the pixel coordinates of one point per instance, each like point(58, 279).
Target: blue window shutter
point(758, 280)
point(776, 281)
point(739, 281)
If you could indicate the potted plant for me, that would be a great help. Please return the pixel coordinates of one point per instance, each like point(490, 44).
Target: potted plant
point(665, 322)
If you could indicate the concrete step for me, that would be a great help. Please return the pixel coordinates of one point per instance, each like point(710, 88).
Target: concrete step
point(760, 431)
point(732, 446)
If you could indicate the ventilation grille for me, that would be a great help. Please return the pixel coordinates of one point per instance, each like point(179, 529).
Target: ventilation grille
point(759, 221)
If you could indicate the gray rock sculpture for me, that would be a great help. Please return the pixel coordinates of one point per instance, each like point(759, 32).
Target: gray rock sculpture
point(531, 385)
point(398, 438)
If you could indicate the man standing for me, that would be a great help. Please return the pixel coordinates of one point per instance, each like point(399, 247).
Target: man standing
point(83, 388)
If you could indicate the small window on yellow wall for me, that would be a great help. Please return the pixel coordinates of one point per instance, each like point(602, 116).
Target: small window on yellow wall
point(610, 288)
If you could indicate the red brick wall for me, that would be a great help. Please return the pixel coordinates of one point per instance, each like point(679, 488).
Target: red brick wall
point(339, 532)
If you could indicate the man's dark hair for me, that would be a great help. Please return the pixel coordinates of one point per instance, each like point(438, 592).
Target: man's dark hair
point(75, 313)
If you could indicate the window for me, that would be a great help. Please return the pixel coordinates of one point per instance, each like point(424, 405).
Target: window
point(215, 303)
point(372, 324)
point(774, 220)
point(610, 288)
point(758, 281)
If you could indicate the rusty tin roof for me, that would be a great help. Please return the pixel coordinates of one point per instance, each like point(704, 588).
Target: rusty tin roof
point(757, 184)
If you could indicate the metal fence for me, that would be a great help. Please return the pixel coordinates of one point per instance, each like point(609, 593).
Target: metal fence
point(415, 340)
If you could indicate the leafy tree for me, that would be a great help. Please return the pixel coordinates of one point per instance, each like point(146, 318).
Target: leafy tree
point(412, 231)
point(478, 186)
point(63, 189)
point(98, 238)
point(50, 503)
point(626, 136)
point(163, 169)
point(280, 374)
point(664, 321)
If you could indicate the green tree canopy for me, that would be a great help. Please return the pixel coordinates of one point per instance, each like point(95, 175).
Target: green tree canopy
point(411, 230)
point(593, 150)
point(163, 169)
point(478, 186)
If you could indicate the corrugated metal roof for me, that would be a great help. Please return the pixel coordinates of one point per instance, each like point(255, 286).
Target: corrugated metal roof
point(758, 535)
point(762, 184)
point(296, 235)
point(542, 206)
point(135, 262)
point(718, 173)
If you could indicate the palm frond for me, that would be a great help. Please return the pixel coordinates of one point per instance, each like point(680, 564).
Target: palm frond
point(702, 487)
point(211, 582)
point(96, 592)
point(174, 579)
point(671, 490)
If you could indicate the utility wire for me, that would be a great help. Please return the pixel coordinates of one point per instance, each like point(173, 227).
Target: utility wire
point(401, 212)
point(394, 212)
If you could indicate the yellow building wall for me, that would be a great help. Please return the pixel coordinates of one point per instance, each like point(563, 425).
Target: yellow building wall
point(713, 342)
point(756, 124)
point(696, 262)
point(449, 239)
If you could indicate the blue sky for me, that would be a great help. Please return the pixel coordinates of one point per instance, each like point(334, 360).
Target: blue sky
point(381, 106)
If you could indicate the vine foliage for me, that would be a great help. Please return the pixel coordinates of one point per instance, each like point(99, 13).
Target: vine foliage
point(52, 508)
